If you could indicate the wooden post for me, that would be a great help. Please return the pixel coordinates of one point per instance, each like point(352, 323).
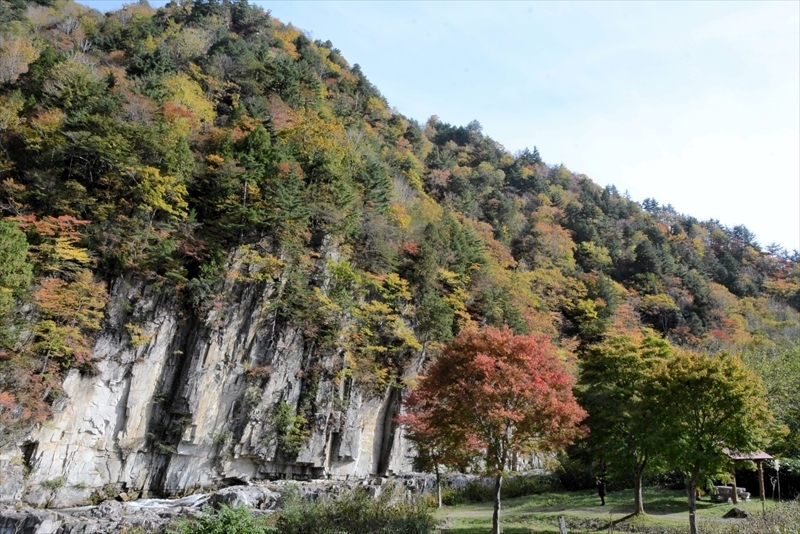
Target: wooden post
point(562, 525)
point(761, 485)
point(735, 497)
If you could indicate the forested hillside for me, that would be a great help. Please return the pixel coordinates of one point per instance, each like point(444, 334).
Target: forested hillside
point(158, 145)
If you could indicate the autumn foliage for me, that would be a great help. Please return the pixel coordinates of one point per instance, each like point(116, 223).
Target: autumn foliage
point(68, 305)
point(490, 395)
point(157, 146)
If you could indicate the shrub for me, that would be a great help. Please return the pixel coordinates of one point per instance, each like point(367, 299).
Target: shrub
point(53, 484)
point(520, 486)
point(513, 486)
point(355, 513)
point(225, 521)
point(290, 429)
point(575, 474)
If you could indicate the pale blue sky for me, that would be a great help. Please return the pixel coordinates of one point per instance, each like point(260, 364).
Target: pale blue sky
point(696, 104)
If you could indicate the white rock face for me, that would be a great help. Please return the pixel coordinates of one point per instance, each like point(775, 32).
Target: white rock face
point(176, 410)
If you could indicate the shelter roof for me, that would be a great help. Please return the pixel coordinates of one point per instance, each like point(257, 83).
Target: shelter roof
point(758, 455)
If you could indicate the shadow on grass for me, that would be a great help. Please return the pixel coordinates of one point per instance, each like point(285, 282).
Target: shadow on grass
point(517, 529)
point(622, 519)
point(672, 506)
point(506, 530)
point(665, 511)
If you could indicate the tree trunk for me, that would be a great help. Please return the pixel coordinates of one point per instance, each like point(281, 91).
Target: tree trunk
point(439, 486)
point(498, 483)
point(692, 489)
point(761, 486)
point(637, 489)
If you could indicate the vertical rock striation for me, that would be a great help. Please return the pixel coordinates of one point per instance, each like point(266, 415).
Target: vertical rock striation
point(192, 402)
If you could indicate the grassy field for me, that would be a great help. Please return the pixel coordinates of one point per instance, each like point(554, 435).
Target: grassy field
point(666, 512)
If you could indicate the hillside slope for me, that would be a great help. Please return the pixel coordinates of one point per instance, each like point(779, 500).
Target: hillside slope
point(239, 255)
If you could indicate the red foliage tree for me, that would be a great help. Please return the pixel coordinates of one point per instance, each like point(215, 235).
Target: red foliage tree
point(489, 396)
point(72, 312)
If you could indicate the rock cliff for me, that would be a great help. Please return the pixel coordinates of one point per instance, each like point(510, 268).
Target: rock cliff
point(192, 401)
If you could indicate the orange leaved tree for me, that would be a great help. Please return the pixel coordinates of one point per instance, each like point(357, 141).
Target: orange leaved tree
point(490, 395)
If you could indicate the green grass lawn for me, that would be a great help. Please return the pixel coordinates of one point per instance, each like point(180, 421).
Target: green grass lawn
point(666, 512)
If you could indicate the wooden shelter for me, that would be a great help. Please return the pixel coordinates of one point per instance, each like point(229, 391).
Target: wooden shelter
point(758, 458)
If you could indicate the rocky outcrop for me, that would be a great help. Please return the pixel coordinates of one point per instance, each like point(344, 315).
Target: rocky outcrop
point(110, 516)
point(251, 497)
point(182, 401)
point(153, 515)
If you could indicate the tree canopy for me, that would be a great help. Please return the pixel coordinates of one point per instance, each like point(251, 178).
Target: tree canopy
point(710, 405)
point(208, 141)
point(492, 394)
point(614, 388)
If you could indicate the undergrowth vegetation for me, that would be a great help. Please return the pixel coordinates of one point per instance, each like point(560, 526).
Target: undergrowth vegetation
point(476, 491)
point(783, 519)
point(226, 520)
point(351, 512)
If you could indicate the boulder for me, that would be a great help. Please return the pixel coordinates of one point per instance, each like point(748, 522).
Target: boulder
point(253, 497)
point(736, 513)
point(30, 522)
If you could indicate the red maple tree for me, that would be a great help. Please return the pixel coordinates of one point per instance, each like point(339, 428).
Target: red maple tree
point(491, 395)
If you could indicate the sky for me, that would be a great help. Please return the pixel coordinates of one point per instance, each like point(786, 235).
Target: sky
point(695, 104)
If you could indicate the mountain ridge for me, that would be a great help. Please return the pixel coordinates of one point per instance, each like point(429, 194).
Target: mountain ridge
point(213, 203)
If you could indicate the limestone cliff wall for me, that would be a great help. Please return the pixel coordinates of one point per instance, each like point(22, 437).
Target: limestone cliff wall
point(178, 407)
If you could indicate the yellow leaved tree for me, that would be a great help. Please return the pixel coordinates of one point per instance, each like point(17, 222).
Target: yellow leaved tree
point(159, 193)
point(185, 104)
